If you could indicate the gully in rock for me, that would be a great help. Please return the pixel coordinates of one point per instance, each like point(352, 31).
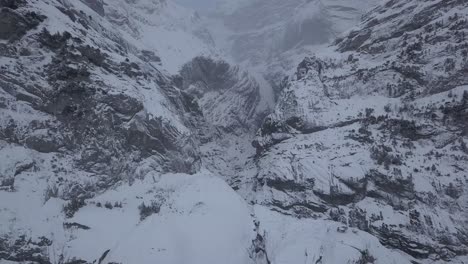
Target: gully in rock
point(189, 132)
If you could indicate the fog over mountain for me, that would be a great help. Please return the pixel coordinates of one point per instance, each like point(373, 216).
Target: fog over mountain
point(237, 132)
point(202, 6)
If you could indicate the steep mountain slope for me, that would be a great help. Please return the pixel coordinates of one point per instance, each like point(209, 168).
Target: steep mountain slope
point(74, 91)
point(287, 25)
point(176, 33)
point(221, 90)
point(270, 44)
point(87, 109)
point(123, 134)
point(373, 135)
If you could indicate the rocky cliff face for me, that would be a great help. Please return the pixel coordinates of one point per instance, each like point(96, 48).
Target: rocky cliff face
point(229, 97)
point(286, 26)
point(271, 44)
point(86, 106)
point(374, 136)
point(89, 99)
point(124, 138)
point(93, 103)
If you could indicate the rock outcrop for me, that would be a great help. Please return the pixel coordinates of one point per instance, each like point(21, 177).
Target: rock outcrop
point(370, 127)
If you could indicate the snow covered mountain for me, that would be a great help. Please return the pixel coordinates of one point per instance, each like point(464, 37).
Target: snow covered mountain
point(88, 106)
point(373, 135)
point(287, 25)
point(126, 136)
point(270, 44)
point(175, 32)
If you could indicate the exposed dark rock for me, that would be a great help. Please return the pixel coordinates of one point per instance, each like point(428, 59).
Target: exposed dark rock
point(12, 4)
point(147, 210)
point(13, 25)
point(7, 50)
point(298, 208)
point(404, 128)
point(336, 197)
point(338, 215)
point(149, 56)
point(274, 131)
point(7, 184)
point(76, 261)
point(396, 239)
point(290, 185)
point(55, 41)
point(76, 225)
point(216, 84)
point(25, 250)
point(42, 143)
point(94, 55)
point(131, 69)
point(103, 256)
point(73, 206)
point(456, 113)
point(27, 97)
point(22, 167)
point(366, 257)
point(96, 5)
point(213, 74)
point(363, 135)
point(454, 191)
point(71, 13)
point(258, 249)
point(265, 135)
point(402, 187)
point(358, 218)
point(123, 104)
point(309, 64)
point(151, 136)
point(354, 40)
point(270, 126)
point(296, 123)
point(93, 122)
point(383, 156)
